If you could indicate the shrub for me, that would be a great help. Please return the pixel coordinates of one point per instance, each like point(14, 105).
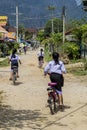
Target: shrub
point(71, 49)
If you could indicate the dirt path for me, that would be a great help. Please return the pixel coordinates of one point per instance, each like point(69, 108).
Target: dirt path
point(25, 104)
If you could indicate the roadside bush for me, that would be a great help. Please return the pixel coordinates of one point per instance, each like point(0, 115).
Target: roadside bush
point(85, 64)
point(71, 49)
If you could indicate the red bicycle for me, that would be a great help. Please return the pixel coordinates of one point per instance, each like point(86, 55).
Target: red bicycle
point(52, 98)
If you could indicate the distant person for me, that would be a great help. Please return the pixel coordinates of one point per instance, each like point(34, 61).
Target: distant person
point(25, 49)
point(40, 57)
point(56, 69)
point(14, 59)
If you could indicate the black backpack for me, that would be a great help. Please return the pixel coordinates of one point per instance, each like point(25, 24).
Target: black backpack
point(14, 62)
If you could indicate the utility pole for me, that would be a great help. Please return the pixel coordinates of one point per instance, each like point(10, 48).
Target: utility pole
point(63, 13)
point(52, 23)
point(52, 8)
point(16, 23)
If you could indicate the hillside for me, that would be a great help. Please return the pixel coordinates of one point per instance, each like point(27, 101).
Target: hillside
point(35, 13)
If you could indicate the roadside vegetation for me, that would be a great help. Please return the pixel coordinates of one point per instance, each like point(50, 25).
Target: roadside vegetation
point(72, 50)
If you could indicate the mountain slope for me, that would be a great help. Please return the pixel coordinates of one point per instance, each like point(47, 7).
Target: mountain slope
point(35, 13)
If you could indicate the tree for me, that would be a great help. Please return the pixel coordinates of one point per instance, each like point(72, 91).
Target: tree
point(28, 35)
point(57, 27)
point(40, 35)
point(21, 30)
point(71, 49)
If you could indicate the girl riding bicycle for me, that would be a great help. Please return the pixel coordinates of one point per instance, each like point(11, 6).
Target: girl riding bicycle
point(56, 69)
point(14, 59)
point(40, 57)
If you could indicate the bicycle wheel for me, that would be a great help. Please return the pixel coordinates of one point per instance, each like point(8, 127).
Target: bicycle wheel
point(52, 104)
point(14, 78)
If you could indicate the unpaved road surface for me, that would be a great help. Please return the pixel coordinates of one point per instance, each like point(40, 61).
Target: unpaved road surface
point(25, 104)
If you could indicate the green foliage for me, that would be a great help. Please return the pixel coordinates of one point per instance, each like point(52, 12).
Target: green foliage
point(85, 64)
point(48, 56)
point(21, 30)
point(57, 24)
point(40, 35)
point(77, 71)
point(57, 38)
point(28, 35)
point(71, 49)
point(4, 63)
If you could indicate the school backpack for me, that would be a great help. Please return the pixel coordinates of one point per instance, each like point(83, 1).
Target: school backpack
point(14, 61)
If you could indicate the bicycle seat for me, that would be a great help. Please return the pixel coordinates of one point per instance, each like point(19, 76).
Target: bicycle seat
point(52, 84)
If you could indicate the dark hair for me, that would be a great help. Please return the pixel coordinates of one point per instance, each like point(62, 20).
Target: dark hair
point(55, 56)
point(41, 49)
point(13, 52)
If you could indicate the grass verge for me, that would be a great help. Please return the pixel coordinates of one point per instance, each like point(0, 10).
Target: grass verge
point(4, 63)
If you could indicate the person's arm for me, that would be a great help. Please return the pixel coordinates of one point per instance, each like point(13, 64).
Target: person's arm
point(9, 59)
point(19, 61)
point(46, 69)
point(63, 69)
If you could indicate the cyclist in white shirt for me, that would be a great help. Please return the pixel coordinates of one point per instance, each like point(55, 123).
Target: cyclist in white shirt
point(14, 59)
point(40, 56)
point(56, 69)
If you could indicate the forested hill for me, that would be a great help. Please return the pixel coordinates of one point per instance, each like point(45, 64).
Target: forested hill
point(34, 13)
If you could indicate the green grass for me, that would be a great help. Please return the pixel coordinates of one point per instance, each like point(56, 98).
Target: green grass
point(4, 63)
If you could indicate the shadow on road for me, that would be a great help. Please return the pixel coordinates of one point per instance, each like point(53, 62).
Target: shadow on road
point(19, 118)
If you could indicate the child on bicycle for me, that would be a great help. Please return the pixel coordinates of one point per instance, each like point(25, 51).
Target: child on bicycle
point(40, 56)
point(56, 68)
point(14, 59)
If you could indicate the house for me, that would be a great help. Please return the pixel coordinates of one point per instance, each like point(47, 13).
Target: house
point(3, 33)
point(10, 33)
point(69, 36)
point(33, 31)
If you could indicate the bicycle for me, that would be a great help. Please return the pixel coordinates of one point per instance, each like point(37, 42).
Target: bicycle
point(52, 98)
point(40, 63)
point(14, 74)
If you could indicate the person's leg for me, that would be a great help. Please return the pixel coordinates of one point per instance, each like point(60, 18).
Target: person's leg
point(17, 73)
point(11, 75)
point(60, 99)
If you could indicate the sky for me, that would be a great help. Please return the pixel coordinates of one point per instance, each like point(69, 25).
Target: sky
point(78, 2)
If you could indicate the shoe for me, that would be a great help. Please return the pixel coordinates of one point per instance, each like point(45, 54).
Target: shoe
point(10, 79)
point(60, 106)
point(17, 76)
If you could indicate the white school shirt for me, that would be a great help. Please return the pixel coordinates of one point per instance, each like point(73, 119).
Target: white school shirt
point(39, 54)
point(16, 58)
point(55, 68)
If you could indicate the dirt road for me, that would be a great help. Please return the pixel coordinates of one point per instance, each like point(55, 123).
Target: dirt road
point(25, 104)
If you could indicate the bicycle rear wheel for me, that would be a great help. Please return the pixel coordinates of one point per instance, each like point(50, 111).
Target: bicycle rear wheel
point(14, 79)
point(52, 104)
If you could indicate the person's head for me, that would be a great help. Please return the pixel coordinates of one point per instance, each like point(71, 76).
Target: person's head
point(41, 49)
point(55, 56)
point(14, 51)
